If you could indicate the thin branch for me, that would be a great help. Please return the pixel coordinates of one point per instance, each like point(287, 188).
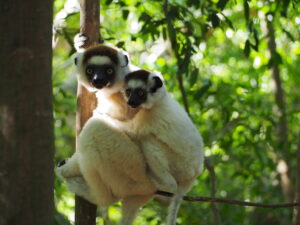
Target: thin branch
point(231, 201)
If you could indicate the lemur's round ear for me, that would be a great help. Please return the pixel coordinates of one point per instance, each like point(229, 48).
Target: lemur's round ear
point(126, 60)
point(75, 60)
point(157, 84)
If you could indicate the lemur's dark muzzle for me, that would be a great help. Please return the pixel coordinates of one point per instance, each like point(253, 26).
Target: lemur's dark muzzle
point(99, 81)
point(133, 103)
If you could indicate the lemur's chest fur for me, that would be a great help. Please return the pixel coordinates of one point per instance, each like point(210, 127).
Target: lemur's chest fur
point(116, 107)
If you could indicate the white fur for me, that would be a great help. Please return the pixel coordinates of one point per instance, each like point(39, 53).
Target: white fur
point(136, 83)
point(99, 60)
point(108, 166)
point(166, 128)
point(127, 155)
point(121, 69)
point(113, 166)
point(171, 144)
point(159, 148)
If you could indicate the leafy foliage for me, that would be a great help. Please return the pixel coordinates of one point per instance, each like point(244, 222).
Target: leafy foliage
point(218, 51)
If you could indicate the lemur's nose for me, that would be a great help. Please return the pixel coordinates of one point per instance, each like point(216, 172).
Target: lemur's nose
point(133, 103)
point(98, 82)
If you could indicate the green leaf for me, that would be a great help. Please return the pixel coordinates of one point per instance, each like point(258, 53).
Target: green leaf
point(174, 12)
point(125, 14)
point(133, 37)
point(247, 48)
point(107, 2)
point(164, 32)
point(120, 44)
point(144, 17)
point(228, 21)
point(193, 77)
point(289, 35)
point(246, 10)
point(285, 8)
point(214, 20)
point(276, 59)
point(221, 4)
point(199, 93)
point(189, 3)
point(255, 34)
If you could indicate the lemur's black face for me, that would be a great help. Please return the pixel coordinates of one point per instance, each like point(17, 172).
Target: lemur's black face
point(139, 88)
point(136, 96)
point(100, 75)
point(100, 66)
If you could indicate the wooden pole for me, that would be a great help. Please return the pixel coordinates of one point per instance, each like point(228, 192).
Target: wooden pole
point(85, 212)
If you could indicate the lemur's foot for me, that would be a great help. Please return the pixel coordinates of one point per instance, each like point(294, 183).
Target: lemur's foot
point(61, 163)
point(79, 186)
point(61, 168)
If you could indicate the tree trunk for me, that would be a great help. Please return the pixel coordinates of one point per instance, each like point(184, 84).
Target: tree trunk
point(26, 120)
point(282, 124)
point(296, 216)
point(85, 212)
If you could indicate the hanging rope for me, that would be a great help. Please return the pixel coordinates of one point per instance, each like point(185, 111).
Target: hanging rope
point(231, 202)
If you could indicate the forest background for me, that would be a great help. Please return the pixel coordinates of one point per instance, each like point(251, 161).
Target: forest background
point(234, 66)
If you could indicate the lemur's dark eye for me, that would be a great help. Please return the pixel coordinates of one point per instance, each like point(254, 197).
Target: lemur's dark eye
point(89, 71)
point(141, 93)
point(109, 71)
point(127, 92)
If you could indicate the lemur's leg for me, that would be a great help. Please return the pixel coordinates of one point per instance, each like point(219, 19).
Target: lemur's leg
point(176, 201)
point(173, 209)
point(79, 186)
point(158, 164)
point(111, 163)
point(130, 206)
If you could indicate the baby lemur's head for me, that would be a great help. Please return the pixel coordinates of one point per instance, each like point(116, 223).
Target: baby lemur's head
point(143, 88)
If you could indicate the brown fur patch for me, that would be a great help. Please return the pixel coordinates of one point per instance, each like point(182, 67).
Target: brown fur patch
point(101, 50)
point(142, 75)
point(123, 111)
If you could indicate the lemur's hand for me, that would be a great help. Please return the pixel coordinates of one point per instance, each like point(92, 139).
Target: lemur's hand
point(80, 41)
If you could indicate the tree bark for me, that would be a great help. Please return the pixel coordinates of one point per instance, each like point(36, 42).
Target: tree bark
point(296, 215)
point(26, 119)
point(85, 212)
